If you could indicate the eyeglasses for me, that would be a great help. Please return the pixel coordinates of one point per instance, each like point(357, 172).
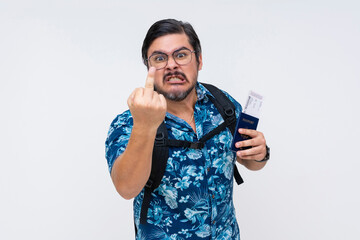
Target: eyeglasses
point(159, 60)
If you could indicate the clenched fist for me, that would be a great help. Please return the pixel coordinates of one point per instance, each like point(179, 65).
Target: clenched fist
point(147, 107)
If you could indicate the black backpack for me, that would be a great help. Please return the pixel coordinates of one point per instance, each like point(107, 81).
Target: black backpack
point(161, 146)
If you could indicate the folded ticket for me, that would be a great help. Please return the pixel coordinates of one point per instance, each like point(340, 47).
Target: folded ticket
point(249, 118)
point(253, 104)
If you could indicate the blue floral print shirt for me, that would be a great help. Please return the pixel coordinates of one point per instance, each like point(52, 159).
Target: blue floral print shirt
point(195, 197)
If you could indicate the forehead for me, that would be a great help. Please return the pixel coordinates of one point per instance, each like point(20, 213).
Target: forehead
point(169, 43)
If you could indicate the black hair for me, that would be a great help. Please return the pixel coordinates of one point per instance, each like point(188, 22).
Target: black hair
point(170, 26)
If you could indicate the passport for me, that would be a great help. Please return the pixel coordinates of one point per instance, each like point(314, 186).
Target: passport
point(248, 119)
point(244, 121)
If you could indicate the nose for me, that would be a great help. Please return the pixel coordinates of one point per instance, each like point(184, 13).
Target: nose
point(171, 64)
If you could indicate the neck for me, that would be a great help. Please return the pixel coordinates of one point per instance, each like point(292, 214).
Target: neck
point(183, 108)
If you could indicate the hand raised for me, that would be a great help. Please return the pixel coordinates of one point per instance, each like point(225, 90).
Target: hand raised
point(147, 107)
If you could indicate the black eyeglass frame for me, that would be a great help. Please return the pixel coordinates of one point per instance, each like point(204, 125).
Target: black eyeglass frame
point(167, 57)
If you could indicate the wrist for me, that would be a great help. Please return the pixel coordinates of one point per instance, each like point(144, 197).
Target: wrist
point(267, 155)
point(144, 129)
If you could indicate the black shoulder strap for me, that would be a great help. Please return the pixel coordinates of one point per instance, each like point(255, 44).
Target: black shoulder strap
point(159, 159)
point(227, 110)
point(223, 104)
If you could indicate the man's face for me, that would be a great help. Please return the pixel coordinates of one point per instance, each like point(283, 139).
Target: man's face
point(175, 81)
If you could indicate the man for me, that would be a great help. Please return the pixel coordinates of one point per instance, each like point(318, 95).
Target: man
point(194, 199)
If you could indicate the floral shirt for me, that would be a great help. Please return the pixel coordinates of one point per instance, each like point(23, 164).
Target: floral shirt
point(195, 197)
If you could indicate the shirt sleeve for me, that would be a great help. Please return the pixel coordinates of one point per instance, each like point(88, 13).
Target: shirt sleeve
point(118, 137)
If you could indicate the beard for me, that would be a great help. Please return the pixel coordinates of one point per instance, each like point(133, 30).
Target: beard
point(178, 95)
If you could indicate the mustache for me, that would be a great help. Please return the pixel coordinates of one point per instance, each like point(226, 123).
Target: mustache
point(174, 74)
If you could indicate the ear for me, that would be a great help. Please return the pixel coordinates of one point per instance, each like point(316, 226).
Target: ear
point(200, 62)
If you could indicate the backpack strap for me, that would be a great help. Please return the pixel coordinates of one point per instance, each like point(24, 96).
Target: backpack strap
point(227, 110)
point(159, 160)
point(223, 104)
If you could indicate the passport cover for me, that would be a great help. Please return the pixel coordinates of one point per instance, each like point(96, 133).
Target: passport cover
point(244, 121)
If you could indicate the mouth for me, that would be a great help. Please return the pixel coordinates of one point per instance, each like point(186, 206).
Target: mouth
point(175, 78)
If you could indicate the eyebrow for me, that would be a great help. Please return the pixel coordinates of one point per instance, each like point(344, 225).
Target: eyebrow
point(160, 52)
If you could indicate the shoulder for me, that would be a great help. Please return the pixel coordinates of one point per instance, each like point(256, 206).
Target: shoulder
point(238, 108)
point(118, 137)
point(122, 124)
point(122, 119)
point(204, 90)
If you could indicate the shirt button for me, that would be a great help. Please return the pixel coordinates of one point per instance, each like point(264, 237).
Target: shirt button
point(208, 169)
point(213, 222)
point(213, 196)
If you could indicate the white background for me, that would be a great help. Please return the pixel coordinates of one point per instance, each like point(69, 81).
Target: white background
point(67, 68)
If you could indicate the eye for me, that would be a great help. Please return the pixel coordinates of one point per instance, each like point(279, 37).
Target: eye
point(159, 58)
point(181, 54)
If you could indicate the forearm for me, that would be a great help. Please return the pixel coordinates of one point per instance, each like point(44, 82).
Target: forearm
point(131, 169)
